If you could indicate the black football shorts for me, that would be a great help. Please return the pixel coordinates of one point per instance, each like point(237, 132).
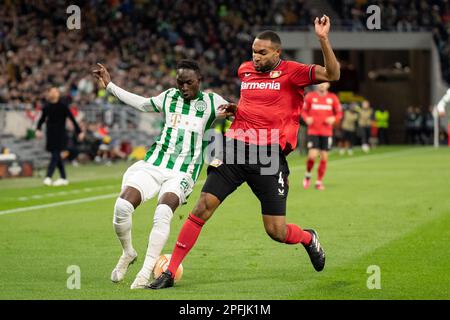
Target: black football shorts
point(323, 143)
point(271, 189)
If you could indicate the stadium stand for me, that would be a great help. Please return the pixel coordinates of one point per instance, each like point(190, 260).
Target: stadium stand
point(140, 42)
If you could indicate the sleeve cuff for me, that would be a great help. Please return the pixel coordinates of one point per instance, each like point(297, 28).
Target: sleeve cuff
point(312, 73)
point(110, 86)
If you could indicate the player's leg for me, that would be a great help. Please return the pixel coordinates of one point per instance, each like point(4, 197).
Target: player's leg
point(62, 181)
point(341, 142)
point(167, 204)
point(325, 146)
point(51, 168)
point(272, 192)
point(350, 142)
point(61, 168)
point(221, 181)
point(312, 155)
point(289, 233)
point(187, 237)
point(137, 186)
point(124, 207)
point(174, 192)
point(322, 169)
point(365, 139)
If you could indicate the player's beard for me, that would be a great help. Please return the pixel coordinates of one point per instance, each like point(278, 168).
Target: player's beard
point(263, 69)
point(268, 67)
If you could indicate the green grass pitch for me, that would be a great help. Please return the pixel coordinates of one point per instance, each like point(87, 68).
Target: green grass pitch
point(389, 209)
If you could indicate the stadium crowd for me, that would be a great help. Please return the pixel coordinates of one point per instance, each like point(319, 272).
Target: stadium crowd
point(140, 41)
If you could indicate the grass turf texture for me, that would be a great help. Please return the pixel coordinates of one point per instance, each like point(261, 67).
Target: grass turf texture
point(389, 208)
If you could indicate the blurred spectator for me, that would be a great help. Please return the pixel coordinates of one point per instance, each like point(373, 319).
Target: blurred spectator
point(410, 120)
point(349, 129)
point(382, 123)
point(428, 125)
point(88, 147)
point(418, 126)
point(54, 115)
point(364, 123)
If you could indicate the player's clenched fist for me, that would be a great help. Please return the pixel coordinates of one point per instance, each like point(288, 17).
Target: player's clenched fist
point(102, 75)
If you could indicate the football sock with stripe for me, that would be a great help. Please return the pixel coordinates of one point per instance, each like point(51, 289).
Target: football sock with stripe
point(186, 240)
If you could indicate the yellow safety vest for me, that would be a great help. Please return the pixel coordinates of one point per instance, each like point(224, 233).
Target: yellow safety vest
point(382, 119)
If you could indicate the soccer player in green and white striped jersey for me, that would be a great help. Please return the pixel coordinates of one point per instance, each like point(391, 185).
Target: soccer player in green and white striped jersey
point(172, 164)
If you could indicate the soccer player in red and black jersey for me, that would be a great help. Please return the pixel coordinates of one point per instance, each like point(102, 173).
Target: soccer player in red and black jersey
point(271, 92)
point(321, 111)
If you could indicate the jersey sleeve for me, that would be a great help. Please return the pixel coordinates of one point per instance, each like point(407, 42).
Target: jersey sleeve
point(136, 101)
point(218, 101)
point(302, 75)
point(444, 102)
point(158, 101)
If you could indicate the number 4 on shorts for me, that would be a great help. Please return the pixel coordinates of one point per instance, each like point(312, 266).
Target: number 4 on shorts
point(281, 180)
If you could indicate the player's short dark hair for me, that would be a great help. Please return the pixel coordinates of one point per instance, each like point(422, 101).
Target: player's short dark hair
point(270, 35)
point(189, 64)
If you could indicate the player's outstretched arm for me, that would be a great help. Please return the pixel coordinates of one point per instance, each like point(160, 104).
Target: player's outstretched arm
point(131, 99)
point(331, 70)
point(445, 101)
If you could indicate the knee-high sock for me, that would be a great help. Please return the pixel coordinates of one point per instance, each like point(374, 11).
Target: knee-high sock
point(294, 234)
point(321, 170)
point(157, 239)
point(123, 211)
point(186, 240)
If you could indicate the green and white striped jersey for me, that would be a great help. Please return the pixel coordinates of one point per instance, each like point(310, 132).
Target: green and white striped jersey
point(180, 145)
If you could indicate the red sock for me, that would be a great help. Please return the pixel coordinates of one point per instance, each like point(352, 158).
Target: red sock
point(294, 234)
point(309, 164)
point(186, 240)
point(321, 170)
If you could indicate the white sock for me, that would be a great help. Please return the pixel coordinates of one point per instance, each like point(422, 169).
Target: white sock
point(157, 239)
point(122, 222)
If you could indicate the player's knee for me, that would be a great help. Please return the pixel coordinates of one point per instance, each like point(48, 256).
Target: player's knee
point(163, 215)
point(132, 195)
point(123, 210)
point(275, 232)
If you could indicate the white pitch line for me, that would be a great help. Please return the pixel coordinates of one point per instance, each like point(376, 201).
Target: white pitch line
point(57, 204)
point(63, 193)
point(112, 195)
